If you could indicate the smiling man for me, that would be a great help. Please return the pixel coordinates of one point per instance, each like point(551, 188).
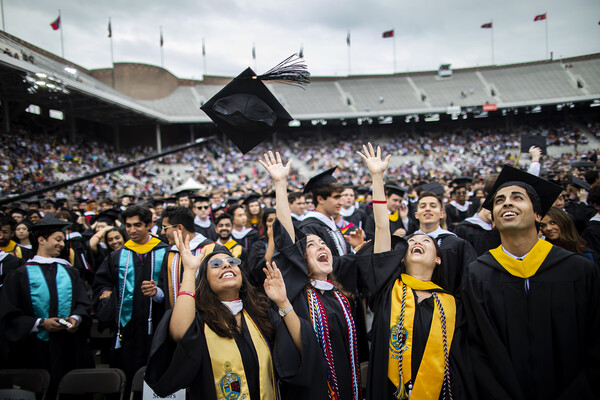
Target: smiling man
point(44, 309)
point(126, 296)
point(532, 307)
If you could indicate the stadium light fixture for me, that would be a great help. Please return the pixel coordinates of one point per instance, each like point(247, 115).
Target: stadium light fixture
point(70, 70)
point(56, 114)
point(41, 75)
point(595, 103)
point(432, 117)
point(294, 123)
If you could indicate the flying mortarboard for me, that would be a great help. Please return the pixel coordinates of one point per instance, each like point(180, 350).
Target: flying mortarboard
point(247, 111)
point(319, 180)
point(547, 191)
point(533, 140)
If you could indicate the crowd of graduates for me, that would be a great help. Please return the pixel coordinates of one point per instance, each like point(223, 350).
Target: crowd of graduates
point(468, 287)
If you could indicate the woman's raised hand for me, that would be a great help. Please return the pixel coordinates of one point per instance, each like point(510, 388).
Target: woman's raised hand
point(274, 285)
point(188, 260)
point(373, 159)
point(274, 166)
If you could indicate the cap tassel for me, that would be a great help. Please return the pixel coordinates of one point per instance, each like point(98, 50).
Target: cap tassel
point(292, 71)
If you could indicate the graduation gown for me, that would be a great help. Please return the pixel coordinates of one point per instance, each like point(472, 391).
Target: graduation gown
point(454, 215)
point(381, 271)
point(246, 237)
point(8, 263)
point(256, 262)
point(208, 230)
point(479, 238)
point(312, 225)
point(355, 215)
point(535, 338)
point(63, 351)
point(394, 226)
point(135, 337)
point(310, 380)
point(186, 364)
point(591, 235)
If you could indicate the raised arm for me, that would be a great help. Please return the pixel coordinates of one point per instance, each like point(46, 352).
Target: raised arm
point(184, 311)
point(377, 166)
point(279, 173)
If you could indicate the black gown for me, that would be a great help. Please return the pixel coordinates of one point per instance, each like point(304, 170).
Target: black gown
point(136, 341)
point(63, 351)
point(591, 235)
point(173, 366)
point(310, 381)
point(394, 225)
point(248, 239)
point(454, 216)
point(381, 272)
point(457, 253)
point(8, 264)
point(256, 262)
point(535, 338)
point(480, 239)
point(317, 227)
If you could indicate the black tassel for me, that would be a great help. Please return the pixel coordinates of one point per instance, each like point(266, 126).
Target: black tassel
point(291, 71)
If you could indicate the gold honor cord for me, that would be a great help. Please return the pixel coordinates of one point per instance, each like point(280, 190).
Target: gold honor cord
point(430, 377)
point(527, 267)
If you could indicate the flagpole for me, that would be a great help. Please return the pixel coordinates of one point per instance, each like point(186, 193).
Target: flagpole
point(493, 41)
point(546, 20)
point(349, 53)
point(162, 51)
point(204, 56)
point(112, 55)
point(394, 36)
point(254, 55)
point(62, 44)
point(2, 7)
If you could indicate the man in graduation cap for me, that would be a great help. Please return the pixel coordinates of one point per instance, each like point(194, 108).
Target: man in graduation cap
point(44, 309)
point(202, 221)
point(532, 308)
point(457, 210)
point(400, 223)
point(126, 296)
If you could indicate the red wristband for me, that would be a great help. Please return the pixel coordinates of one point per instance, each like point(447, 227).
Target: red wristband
point(379, 201)
point(186, 293)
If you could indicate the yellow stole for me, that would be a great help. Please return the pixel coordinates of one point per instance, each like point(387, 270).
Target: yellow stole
point(142, 248)
point(529, 265)
point(234, 247)
point(430, 377)
point(228, 368)
point(393, 216)
point(13, 249)
point(173, 270)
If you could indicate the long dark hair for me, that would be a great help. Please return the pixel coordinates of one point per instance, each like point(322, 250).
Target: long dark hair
point(217, 316)
point(569, 238)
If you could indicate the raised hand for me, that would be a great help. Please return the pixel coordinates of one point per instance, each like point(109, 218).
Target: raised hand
point(356, 237)
point(373, 159)
point(274, 166)
point(274, 285)
point(188, 260)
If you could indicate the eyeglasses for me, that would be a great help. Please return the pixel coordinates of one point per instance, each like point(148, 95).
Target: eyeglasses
point(164, 228)
point(218, 262)
point(203, 207)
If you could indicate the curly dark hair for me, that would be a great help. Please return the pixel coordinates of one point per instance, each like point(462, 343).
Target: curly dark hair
point(217, 316)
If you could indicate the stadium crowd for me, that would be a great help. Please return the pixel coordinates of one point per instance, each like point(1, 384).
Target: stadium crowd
point(265, 284)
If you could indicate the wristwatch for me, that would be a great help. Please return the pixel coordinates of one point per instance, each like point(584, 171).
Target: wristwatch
point(41, 324)
point(285, 311)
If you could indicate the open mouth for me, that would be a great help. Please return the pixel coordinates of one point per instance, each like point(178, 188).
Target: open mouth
point(509, 214)
point(227, 274)
point(323, 258)
point(417, 250)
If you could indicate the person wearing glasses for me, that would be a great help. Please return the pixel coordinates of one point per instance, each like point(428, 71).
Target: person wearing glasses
point(203, 222)
point(221, 336)
point(178, 219)
point(126, 296)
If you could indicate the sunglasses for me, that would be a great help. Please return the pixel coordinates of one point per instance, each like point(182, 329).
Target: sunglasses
point(164, 228)
point(218, 262)
point(203, 207)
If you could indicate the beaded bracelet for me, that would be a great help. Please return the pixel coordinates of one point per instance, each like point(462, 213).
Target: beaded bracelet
point(184, 292)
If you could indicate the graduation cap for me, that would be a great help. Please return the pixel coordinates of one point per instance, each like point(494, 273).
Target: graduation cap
point(395, 189)
point(109, 216)
point(18, 211)
point(533, 140)
point(434, 187)
point(251, 198)
point(319, 180)
point(184, 193)
point(580, 183)
point(49, 225)
point(547, 191)
point(461, 180)
point(201, 198)
point(245, 109)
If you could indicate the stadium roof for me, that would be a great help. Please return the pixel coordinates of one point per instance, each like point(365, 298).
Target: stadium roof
point(52, 82)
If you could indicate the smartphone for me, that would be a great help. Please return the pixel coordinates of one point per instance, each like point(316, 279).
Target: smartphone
point(64, 322)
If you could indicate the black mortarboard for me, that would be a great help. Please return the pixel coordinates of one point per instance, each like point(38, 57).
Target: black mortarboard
point(580, 183)
point(461, 180)
point(533, 140)
point(18, 211)
point(109, 216)
point(251, 198)
point(247, 111)
point(395, 189)
point(184, 193)
point(33, 200)
point(201, 198)
point(321, 179)
point(434, 187)
point(233, 199)
point(547, 191)
point(48, 225)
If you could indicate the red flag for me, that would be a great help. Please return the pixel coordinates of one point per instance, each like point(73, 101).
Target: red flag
point(387, 34)
point(55, 24)
point(487, 26)
point(540, 17)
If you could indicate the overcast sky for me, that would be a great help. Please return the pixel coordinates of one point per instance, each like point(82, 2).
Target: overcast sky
point(427, 33)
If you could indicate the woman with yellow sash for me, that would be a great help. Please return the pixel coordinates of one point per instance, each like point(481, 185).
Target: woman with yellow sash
point(217, 339)
point(416, 345)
